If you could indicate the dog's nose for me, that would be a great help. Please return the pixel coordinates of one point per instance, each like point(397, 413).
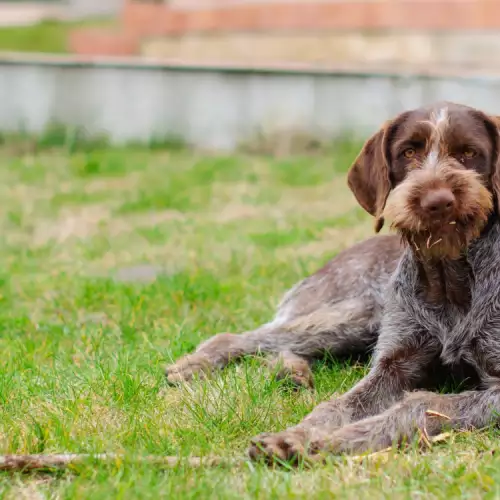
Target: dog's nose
point(438, 202)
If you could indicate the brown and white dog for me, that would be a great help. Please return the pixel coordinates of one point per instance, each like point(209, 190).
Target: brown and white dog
point(434, 173)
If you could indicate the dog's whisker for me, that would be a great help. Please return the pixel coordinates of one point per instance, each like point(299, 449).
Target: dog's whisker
point(436, 242)
point(429, 241)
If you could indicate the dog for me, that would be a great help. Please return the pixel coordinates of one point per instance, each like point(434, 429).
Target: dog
point(434, 174)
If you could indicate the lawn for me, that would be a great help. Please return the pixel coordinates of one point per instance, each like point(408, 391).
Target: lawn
point(45, 36)
point(117, 261)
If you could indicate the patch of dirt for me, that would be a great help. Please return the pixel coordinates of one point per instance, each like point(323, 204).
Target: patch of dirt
point(237, 211)
point(334, 240)
point(87, 221)
point(112, 184)
point(30, 489)
point(81, 224)
point(326, 200)
point(145, 273)
point(127, 224)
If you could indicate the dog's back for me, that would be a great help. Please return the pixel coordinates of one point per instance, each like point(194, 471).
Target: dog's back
point(361, 270)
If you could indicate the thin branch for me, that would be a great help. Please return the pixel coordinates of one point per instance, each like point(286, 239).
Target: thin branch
point(67, 460)
point(28, 463)
point(432, 413)
point(384, 454)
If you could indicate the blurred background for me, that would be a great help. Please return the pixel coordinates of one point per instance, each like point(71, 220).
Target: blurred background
point(217, 73)
point(456, 33)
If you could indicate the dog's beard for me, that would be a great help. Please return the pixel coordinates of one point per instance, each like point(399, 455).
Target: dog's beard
point(435, 244)
point(435, 240)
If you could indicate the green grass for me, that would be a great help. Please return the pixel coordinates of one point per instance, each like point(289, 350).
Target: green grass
point(46, 36)
point(83, 349)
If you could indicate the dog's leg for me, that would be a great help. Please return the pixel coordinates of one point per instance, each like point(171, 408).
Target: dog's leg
point(215, 353)
point(295, 368)
point(345, 327)
point(397, 368)
point(421, 414)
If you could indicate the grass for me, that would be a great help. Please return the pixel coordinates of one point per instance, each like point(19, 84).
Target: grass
point(84, 343)
point(45, 36)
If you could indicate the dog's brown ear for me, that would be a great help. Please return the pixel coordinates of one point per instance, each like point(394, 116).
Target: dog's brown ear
point(495, 176)
point(368, 177)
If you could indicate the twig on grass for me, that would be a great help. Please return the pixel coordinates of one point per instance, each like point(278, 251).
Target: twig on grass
point(433, 413)
point(384, 455)
point(29, 463)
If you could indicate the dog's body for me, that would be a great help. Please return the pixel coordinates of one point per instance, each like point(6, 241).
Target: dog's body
point(433, 301)
point(435, 172)
point(337, 311)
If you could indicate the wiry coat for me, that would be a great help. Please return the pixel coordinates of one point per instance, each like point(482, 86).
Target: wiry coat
point(442, 305)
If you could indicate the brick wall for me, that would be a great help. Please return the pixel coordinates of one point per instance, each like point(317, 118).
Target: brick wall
point(206, 15)
point(142, 19)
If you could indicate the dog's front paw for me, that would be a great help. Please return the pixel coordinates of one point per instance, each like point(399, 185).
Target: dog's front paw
point(287, 446)
point(292, 368)
point(298, 379)
point(186, 368)
point(298, 376)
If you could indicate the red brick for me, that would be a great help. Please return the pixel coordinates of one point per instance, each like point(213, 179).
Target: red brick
point(490, 14)
point(143, 19)
point(92, 42)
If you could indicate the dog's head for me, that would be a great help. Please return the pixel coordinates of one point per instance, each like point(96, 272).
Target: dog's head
point(434, 173)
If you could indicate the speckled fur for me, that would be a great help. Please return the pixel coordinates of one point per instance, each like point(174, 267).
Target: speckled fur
point(417, 334)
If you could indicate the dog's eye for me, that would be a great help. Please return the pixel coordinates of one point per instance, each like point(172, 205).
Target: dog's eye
point(469, 153)
point(409, 153)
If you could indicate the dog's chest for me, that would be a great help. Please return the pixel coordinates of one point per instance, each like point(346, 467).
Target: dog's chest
point(433, 303)
point(445, 321)
point(459, 344)
point(463, 335)
point(447, 314)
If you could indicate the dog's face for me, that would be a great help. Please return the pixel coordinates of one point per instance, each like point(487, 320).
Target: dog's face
point(433, 173)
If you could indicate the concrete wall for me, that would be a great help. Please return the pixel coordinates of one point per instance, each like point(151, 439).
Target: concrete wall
point(217, 108)
point(21, 13)
point(27, 13)
point(78, 9)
